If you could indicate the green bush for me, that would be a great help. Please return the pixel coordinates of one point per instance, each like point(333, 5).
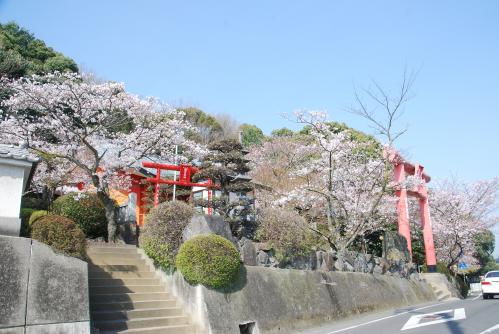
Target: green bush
point(33, 203)
point(85, 210)
point(61, 234)
point(35, 216)
point(287, 233)
point(210, 260)
point(158, 251)
point(25, 215)
point(162, 233)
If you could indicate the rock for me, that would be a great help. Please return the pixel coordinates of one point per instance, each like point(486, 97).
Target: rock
point(415, 276)
point(370, 267)
point(248, 252)
point(377, 270)
point(328, 262)
point(262, 259)
point(338, 264)
point(369, 257)
point(360, 263)
point(347, 267)
point(394, 255)
point(304, 262)
point(397, 245)
point(207, 224)
point(320, 258)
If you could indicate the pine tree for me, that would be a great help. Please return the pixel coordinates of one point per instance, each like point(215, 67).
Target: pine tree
point(227, 166)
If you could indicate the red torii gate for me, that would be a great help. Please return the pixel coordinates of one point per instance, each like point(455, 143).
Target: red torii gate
point(185, 173)
point(403, 168)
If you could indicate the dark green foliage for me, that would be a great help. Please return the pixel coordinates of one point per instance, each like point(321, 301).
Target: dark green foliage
point(86, 210)
point(251, 135)
point(33, 203)
point(484, 247)
point(209, 129)
point(373, 148)
point(22, 54)
point(162, 233)
point(25, 215)
point(227, 166)
point(282, 132)
point(61, 234)
point(209, 260)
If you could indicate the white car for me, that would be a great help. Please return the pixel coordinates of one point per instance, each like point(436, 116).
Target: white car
point(490, 284)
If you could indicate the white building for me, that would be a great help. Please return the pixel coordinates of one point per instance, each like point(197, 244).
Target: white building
point(16, 170)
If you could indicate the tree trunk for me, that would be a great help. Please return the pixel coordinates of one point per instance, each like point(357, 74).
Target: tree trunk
point(112, 229)
point(110, 209)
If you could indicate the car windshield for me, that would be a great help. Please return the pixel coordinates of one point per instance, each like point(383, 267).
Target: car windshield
point(493, 274)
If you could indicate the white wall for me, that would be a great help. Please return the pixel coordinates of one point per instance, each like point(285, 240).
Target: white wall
point(11, 190)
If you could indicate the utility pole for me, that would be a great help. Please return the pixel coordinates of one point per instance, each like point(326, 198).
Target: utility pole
point(175, 174)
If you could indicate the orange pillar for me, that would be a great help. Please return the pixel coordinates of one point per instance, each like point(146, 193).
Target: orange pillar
point(429, 246)
point(402, 206)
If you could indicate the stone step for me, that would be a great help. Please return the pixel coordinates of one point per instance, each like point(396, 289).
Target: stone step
point(114, 256)
point(102, 274)
point(141, 323)
point(132, 305)
point(96, 282)
point(112, 250)
point(99, 290)
point(179, 329)
point(92, 267)
point(98, 261)
point(125, 297)
point(135, 314)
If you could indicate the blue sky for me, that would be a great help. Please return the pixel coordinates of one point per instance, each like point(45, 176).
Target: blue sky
point(258, 59)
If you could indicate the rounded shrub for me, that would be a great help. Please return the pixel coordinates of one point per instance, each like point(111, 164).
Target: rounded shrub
point(162, 232)
point(287, 232)
point(35, 216)
point(210, 260)
point(86, 210)
point(61, 234)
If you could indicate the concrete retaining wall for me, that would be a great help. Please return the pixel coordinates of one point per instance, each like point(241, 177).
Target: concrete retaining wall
point(40, 291)
point(283, 300)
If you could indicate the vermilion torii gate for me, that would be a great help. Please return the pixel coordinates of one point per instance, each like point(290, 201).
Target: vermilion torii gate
point(185, 173)
point(403, 168)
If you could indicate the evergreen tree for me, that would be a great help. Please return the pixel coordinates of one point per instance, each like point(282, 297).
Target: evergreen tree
point(227, 166)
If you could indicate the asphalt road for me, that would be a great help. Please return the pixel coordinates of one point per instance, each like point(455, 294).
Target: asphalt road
point(469, 316)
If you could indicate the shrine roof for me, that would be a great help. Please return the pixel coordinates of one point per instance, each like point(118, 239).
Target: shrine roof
point(17, 153)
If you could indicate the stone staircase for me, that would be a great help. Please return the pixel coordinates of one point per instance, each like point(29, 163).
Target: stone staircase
point(442, 288)
point(127, 297)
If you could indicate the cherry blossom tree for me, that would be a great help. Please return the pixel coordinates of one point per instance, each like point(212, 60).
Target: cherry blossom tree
point(460, 212)
point(98, 128)
point(340, 187)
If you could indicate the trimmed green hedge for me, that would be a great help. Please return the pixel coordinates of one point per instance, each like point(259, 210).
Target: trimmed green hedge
point(162, 233)
point(86, 210)
point(61, 234)
point(210, 260)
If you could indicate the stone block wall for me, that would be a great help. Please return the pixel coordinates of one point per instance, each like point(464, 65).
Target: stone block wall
point(40, 291)
point(287, 300)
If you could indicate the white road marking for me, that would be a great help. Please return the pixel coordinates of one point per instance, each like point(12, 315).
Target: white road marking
point(414, 321)
point(381, 319)
point(490, 330)
point(480, 295)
